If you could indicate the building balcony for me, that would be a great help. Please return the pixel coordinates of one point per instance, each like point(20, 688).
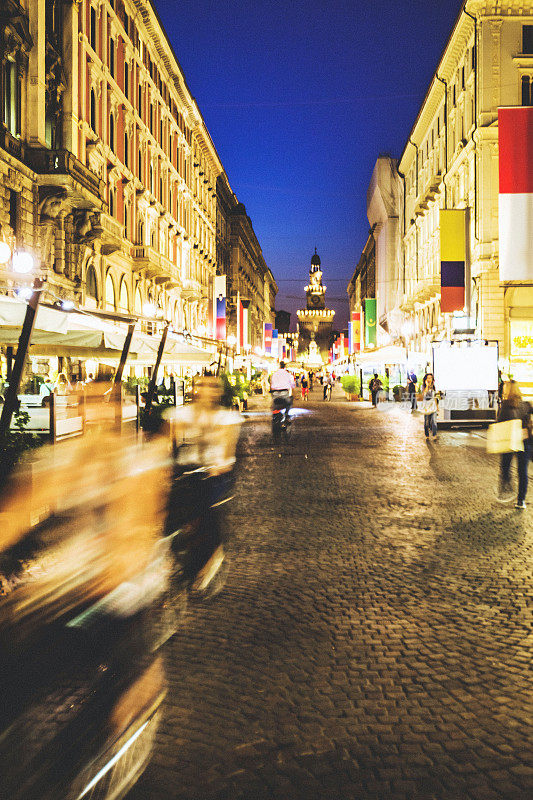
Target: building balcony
point(64, 169)
point(112, 235)
point(192, 289)
point(147, 260)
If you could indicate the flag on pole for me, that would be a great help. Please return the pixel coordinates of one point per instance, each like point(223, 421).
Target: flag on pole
point(370, 321)
point(515, 145)
point(452, 259)
point(219, 306)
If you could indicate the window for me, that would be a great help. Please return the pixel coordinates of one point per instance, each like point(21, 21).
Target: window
point(93, 28)
point(112, 132)
point(91, 287)
point(14, 211)
point(12, 97)
point(112, 57)
point(527, 90)
point(126, 78)
point(151, 178)
point(140, 232)
point(151, 118)
point(140, 164)
point(527, 39)
point(123, 300)
point(126, 149)
point(126, 220)
point(93, 110)
point(112, 201)
point(161, 132)
point(140, 99)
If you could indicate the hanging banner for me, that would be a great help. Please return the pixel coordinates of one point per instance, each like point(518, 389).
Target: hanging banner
point(267, 338)
point(219, 306)
point(370, 321)
point(240, 337)
point(245, 323)
point(515, 146)
point(452, 259)
point(355, 327)
point(274, 351)
point(346, 350)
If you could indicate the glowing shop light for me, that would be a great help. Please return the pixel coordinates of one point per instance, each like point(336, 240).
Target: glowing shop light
point(67, 305)
point(25, 293)
point(22, 262)
point(232, 340)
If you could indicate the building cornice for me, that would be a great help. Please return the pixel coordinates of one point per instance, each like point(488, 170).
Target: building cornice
point(159, 40)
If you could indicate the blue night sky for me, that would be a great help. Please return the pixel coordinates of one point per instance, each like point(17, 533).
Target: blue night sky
point(300, 98)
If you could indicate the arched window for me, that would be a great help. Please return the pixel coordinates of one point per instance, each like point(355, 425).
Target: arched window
point(140, 99)
point(126, 219)
point(140, 232)
point(112, 132)
point(126, 149)
point(112, 57)
point(140, 164)
point(112, 201)
point(126, 78)
point(109, 293)
point(151, 118)
point(93, 110)
point(91, 287)
point(123, 301)
point(151, 178)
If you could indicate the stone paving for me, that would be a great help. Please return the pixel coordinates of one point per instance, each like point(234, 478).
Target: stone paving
point(374, 637)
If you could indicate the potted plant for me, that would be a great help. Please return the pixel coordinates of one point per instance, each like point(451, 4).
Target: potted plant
point(351, 386)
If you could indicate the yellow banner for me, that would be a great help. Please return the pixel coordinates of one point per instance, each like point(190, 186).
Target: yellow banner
point(452, 234)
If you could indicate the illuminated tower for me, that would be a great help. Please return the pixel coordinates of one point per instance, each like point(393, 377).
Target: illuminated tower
point(315, 323)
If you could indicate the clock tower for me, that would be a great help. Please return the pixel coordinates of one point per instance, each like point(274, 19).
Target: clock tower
point(315, 323)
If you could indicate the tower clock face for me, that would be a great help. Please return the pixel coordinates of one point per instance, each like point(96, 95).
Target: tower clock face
point(315, 299)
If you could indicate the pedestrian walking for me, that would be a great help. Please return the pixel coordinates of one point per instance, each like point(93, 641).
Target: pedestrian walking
point(305, 387)
point(429, 397)
point(514, 407)
point(411, 390)
point(375, 387)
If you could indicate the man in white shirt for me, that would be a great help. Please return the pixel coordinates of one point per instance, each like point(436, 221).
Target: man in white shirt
point(282, 380)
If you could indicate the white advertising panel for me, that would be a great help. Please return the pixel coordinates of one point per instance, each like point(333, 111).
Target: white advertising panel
point(466, 367)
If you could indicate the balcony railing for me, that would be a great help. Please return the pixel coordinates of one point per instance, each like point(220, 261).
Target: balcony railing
point(155, 265)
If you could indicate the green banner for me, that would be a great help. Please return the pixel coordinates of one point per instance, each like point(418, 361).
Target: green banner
point(370, 321)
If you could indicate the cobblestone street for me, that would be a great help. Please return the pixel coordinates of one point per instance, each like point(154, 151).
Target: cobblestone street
point(374, 637)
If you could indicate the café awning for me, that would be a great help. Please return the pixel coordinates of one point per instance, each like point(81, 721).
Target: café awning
point(83, 335)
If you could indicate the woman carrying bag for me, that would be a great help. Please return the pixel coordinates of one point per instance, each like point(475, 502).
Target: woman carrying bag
point(513, 407)
point(429, 406)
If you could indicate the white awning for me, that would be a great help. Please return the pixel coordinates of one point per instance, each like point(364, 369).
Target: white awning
point(79, 335)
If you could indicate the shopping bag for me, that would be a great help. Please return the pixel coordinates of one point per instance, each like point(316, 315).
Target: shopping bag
point(505, 437)
point(428, 406)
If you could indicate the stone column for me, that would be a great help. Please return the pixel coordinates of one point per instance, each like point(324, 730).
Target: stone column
point(70, 56)
point(36, 113)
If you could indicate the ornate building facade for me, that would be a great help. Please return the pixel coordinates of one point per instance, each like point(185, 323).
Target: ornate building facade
point(450, 161)
point(108, 173)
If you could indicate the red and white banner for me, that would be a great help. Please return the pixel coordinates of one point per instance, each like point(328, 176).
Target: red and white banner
point(515, 141)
